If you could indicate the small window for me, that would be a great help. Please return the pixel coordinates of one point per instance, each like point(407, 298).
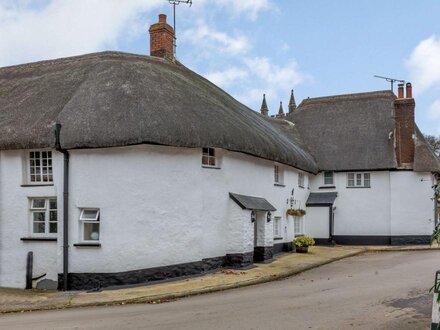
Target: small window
point(208, 157)
point(44, 220)
point(298, 226)
point(301, 180)
point(358, 180)
point(40, 167)
point(328, 178)
point(278, 174)
point(277, 227)
point(89, 221)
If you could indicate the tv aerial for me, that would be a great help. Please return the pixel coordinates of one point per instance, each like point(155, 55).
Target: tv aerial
point(176, 3)
point(391, 80)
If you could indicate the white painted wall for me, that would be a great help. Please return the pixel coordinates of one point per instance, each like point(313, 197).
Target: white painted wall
point(15, 223)
point(316, 222)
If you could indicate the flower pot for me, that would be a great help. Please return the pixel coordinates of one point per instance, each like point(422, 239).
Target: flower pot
point(302, 249)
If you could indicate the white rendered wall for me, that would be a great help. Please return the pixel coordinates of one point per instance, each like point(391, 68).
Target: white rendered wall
point(159, 206)
point(316, 222)
point(15, 222)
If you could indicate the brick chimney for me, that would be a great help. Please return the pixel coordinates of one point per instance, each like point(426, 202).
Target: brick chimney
point(405, 127)
point(161, 39)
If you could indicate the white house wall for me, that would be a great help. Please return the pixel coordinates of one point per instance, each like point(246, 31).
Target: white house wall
point(316, 222)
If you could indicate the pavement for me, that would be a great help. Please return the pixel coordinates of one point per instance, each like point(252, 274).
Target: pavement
point(285, 265)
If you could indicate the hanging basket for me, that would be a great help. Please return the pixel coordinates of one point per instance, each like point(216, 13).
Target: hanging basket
point(296, 212)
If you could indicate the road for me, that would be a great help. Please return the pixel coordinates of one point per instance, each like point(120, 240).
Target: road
point(387, 290)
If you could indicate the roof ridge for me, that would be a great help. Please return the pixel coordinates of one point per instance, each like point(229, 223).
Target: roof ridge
point(343, 97)
point(78, 58)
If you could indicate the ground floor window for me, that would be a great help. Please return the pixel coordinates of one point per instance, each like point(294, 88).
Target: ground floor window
point(43, 216)
point(298, 225)
point(277, 227)
point(89, 223)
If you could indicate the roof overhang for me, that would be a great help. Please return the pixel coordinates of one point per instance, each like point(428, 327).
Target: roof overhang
point(252, 203)
point(321, 199)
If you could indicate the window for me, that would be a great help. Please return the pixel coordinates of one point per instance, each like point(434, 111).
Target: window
point(297, 225)
point(301, 180)
point(277, 227)
point(40, 167)
point(89, 221)
point(358, 180)
point(44, 216)
point(328, 178)
point(278, 174)
point(208, 157)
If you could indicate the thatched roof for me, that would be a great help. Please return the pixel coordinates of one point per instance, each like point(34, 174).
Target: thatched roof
point(114, 99)
point(352, 132)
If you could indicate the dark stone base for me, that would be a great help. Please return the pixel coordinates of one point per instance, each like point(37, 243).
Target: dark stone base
point(283, 247)
point(88, 281)
point(239, 260)
point(382, 240)
point(324, 242)
point(434, 326)
point(263, 253)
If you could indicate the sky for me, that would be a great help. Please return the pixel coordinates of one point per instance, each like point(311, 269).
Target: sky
point(251, 47)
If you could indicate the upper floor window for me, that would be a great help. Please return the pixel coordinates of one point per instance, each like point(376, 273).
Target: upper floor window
point(208, 157)
point(44, 216)
point(328, 178)
point(278, 175)
point(358, 180)
point(301, 180)
point(40, 167)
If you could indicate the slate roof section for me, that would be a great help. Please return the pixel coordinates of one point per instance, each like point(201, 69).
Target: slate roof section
point(354, 132)
point(321, 199)
point(112, 99)
point(252, 203)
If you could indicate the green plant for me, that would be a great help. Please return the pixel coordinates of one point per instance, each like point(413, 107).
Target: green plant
point(435, 237)
point(304, 241)
point(296, 212)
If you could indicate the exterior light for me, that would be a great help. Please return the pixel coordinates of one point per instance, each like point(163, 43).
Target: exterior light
point(269, 216)
point(253, 216)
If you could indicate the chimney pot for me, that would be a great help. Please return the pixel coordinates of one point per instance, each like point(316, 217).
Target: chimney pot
point(400, 91)
point(409, 90)
point(162, 18)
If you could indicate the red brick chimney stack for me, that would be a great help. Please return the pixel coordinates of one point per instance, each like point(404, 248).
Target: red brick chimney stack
point(161, 39)
point(405, 127)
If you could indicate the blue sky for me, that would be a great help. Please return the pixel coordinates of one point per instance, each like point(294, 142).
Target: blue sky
point(251, 47)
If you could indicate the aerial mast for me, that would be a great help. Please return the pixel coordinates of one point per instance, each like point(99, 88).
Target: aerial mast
point(176, 3)
point(391, 80)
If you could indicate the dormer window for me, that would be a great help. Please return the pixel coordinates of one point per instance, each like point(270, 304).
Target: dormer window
point(301, 180)
point(40, 167)
point(209, 157)
point(328, 178)
point(278, 174)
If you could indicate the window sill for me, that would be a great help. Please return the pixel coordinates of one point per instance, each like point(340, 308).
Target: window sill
point(87, 244)
point(211, 167)
point(327, 187)
point(40, 239)
point(279, 184)
point(38, 185)
point(302, 187)
point(357, 187)
point(277, 238)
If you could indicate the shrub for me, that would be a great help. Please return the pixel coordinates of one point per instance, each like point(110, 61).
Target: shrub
point(304, 241)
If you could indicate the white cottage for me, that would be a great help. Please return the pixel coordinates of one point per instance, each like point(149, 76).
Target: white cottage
point(120, 169)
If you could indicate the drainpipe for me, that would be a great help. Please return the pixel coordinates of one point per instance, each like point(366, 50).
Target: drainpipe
point(65, 206)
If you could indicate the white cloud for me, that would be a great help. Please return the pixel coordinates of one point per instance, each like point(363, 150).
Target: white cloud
point(247, 8)
point(424, 64)
point(209, 39)
point(227, 77)
point(434, 110)
point(32, 30)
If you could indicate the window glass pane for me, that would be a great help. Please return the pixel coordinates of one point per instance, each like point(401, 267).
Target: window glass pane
point(205, 160)
point(53, 216)
point(39, 203)
point(205, 151)
point(39, 216)
point(53, 227)
point(211, 152)
point(89, 215)
point(39, 228)
point(366, 179)
point(53, 204)
point(350, 179)
point(91, 231)
point(328, 177)
point(212, 161)
point(358, 179)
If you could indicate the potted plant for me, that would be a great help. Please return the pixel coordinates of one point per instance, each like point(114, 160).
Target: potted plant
point(302, 243)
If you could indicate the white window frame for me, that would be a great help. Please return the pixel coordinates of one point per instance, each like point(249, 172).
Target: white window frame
point(331, 176)
point(277, 227)
point(85, 220)
point(35, 173)
point(298, 220)
point(301, 180)
point(278, 174)
point(210, 158)
point(358, 180)
point(47, 212)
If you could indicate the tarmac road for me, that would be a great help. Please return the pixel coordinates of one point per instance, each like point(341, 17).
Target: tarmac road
point(386, 290)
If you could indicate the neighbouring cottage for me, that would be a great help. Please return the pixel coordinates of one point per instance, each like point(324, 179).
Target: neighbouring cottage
point(120, 169)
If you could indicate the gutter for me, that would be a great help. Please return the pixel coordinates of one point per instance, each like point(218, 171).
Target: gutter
point(65, 206)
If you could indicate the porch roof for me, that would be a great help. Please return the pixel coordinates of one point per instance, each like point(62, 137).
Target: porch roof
point(252, 203)
point(321, 199)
